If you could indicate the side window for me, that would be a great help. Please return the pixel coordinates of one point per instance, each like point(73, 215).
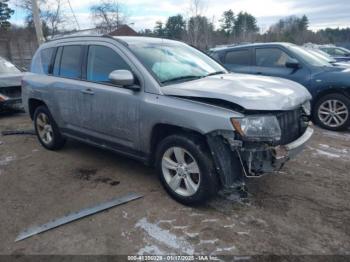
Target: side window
point(56, 66)
point(101, 62)
point(238, 57)
point(42, 61)
point(271, 57)
point(71, 62)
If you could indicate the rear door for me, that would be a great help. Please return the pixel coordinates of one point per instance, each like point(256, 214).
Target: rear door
point(238, 60)
point(73, 99)
point(271, 61)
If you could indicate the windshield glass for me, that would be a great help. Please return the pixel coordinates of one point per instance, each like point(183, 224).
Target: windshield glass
point(309, 58)
point(7, 68)
point(321, 55)
point(175, 62)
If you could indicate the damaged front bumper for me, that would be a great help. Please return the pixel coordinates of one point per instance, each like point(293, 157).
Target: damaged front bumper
point(235, 159)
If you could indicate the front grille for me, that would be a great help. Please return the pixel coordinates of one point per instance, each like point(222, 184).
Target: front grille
point(293, 124)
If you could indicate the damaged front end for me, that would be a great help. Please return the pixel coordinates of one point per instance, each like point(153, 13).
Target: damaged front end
point(260, 144)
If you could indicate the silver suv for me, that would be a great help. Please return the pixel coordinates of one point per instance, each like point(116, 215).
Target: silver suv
point(168, 105)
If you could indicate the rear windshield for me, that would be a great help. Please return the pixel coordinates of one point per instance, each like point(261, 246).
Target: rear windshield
point(7, 68)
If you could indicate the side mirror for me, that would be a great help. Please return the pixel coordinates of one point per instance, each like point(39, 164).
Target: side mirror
point(123, 78)
point(294, 64)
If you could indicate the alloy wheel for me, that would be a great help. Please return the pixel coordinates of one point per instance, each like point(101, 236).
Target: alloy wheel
point(181, 171)
point(333, 113)
point(44, 128)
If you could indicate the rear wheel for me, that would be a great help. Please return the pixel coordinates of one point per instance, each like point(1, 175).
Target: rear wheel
point(186, 170)
point(47, 130)
point(332, 112)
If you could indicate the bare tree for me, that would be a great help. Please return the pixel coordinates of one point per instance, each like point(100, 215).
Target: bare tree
point(108, 15)
point(52, 14)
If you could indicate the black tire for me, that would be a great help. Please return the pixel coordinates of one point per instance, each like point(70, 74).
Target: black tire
point(58, 140)
point(208, 185)
point(318, 121)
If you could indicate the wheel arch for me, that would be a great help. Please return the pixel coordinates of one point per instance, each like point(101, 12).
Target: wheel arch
point(161, 131)
point(33, 104)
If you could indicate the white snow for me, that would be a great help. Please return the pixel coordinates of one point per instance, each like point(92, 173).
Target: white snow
point(229, 226)
point(220, 249)
point(209, 241)
point(327, 154)
point(6, 160)
point(210, 220)
point(165, 237)
point(150, 249)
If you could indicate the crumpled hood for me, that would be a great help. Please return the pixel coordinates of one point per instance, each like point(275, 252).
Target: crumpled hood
point(8, 80)
point(249, 91)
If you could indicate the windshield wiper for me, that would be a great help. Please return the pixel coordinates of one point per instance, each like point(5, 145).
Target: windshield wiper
point(216, 73)
point(189, 77)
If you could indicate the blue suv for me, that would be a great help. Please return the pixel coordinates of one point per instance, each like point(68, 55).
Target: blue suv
point(328, 85)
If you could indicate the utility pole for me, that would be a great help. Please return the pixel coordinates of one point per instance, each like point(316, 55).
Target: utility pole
point(37, 22)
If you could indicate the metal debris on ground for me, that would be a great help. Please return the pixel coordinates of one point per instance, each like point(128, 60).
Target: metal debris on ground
point(17, 132)
point(77, 215)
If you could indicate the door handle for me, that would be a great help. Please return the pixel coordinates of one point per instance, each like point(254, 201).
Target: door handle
point(87, 91)
point(258, 73)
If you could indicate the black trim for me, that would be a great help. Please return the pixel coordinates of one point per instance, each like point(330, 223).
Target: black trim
point(103, 144)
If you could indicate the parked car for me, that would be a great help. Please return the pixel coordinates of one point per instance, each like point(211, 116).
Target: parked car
point(10, 85)
point(338, 53)
point(328, 85)
point(327, 58)
point(168, 105)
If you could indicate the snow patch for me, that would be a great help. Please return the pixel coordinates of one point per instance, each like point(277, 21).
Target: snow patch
point(125, 214)
point(210, 220)
point(165, 237)
point(150, 249)
point(221, 249)
point(6, 160)
point(191, 234)
point(242, 233)
point(166, 221)
point(327, 154)
point(229, 226)
point(209, 241)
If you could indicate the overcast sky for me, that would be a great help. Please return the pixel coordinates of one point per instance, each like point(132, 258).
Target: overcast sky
point(144, 13)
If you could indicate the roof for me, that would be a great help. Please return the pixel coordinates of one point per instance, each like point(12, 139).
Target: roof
point(250, 45)
point(124, 30)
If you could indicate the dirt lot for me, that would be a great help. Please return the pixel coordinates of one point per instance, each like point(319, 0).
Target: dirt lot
point(303, 210)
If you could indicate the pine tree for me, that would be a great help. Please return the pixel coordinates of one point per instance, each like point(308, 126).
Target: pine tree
point(5, 14)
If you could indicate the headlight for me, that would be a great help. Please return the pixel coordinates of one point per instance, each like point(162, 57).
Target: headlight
point(307, 108)
point(258, 128)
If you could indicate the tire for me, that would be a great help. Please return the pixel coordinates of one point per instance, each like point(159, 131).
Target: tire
point(44, 123)
point(193, 187)
point(332, 112)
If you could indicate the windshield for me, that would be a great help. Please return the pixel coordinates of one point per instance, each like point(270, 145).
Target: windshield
point(322, 55)
point(7, 68)
point(309, 58)
point(170, 62)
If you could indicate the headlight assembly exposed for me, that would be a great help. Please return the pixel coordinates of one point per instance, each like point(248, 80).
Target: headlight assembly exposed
point(257, 128)
point(307, 108)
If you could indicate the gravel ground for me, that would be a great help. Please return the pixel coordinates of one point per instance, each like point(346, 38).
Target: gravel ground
point(305, 209)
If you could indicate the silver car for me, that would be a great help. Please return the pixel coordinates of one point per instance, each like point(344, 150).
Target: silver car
point(169, 105)
point(10, 85)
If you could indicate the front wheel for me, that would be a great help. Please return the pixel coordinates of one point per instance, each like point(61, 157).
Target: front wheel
point(332, 112)
point(186, 170)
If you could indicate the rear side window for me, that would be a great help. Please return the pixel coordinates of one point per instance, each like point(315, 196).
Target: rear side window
point(238, 57)
point(271, 57)
point(102, 61)
point(42, 61)
point(71, 62)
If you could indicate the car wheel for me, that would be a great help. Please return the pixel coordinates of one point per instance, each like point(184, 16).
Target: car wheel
point(332, 112)
point(47, 130)
point(186, 170)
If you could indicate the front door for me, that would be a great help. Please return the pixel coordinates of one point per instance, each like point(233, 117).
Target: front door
point(271, 61)
point(115, 110)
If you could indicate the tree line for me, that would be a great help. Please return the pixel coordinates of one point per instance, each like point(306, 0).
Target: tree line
point(195, 28)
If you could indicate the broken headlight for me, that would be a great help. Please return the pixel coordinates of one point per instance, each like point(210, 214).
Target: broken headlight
point(258, 128)
point(307, 108)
